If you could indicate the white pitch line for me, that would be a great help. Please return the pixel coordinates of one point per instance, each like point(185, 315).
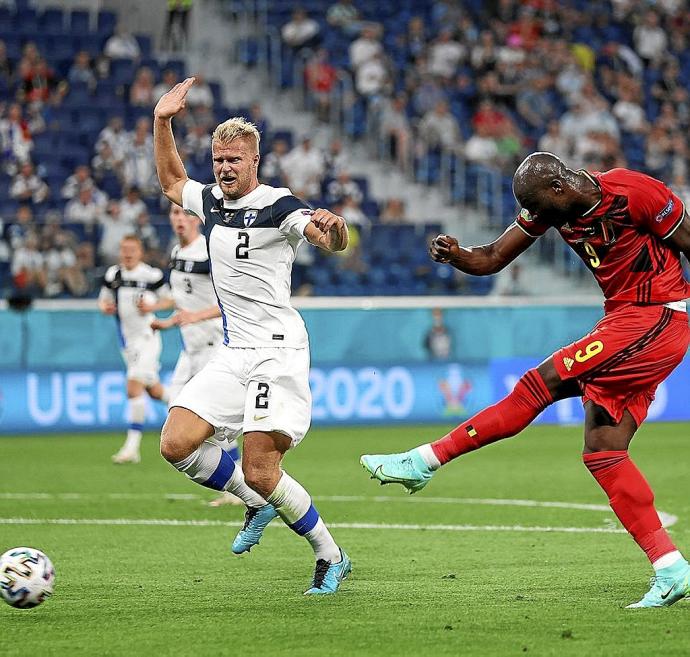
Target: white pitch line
point(164, 522)
point(667, 519)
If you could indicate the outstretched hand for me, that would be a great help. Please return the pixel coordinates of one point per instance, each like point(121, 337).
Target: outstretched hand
point(174, 100)
point(444, 248)
point(334, 235)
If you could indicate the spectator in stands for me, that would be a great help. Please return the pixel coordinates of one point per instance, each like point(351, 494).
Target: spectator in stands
point(571, 77)
point(414, 41)
point(105, 163)
point(533, 101)
point(271, 165)
point(62, 271)
point(552, 141)
point(139, 169)
point(393, 212)
point(122, 45)
point(335, 157)
point(650, 39)
point(141, 91)
point(38, 80)
point(177, 25)
point(199, 94)
point(345, 16)
point(83, 209)
point(658, 152)
point(509, 282)
point(81, 73)
point(438, 341)
point(22, 226)
point(439, 129)
point(258, 118)
point(28, 271)
point(5, 251)
point(148, 235)
point(629, 112)
point(196, 147)
point(481, 147)
point(301, 31)
point(396, 130)
point(343, 186)
point(131, 206)
point(6, 67)
point(351, 211)
point(27, 187)
point(320, 77)
point(445, 54)
point(77, 181)
point(365, 48)
point(86, 263)
point(116, 137)
point(168, 81)
point(114, 229)
point(484, 54)
point(304, 169)
point(15, 139)
point(372, 77)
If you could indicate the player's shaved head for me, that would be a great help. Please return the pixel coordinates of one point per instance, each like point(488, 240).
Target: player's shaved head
point(536, 173)
point(545, 187)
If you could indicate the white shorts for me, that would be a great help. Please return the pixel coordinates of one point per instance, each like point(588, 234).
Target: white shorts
point(189, 363)
point(262, 389)
point(142, 358)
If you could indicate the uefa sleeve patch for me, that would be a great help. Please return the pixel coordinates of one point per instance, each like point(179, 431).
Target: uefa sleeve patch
point(666, 211)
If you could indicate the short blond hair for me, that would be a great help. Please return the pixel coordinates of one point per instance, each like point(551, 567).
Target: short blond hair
point(236, 127)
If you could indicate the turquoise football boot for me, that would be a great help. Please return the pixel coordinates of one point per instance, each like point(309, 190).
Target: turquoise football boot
point(408, 469)
point(256, 519)
point(667, 587)
point(327, 575)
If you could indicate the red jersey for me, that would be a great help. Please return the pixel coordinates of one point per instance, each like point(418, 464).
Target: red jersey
point(622, 240)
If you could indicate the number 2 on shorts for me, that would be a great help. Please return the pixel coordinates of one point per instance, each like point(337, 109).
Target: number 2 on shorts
point(262, 397)
point(591, 350)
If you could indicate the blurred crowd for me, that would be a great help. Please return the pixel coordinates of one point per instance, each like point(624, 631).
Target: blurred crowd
point(602, 84)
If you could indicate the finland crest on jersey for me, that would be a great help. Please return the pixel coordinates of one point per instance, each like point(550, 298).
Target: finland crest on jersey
point(252, 242)
point(192, 289)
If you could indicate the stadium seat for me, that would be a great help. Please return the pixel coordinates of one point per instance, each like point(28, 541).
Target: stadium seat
point(79, 22)
point(52, 21)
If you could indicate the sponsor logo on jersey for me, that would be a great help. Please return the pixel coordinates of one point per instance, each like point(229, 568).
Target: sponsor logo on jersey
point(666, 211)
point(568, 362)
point(250, 217)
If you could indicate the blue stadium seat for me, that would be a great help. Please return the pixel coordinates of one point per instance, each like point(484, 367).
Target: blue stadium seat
point(106, 22)
point(52, 20)
point(26, 22)
point(79, 21)
point(144, 42)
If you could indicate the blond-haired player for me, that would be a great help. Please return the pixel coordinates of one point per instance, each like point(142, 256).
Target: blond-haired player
point(125, 285)
point(257, 384)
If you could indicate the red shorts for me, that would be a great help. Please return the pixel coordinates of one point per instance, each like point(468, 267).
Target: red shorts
point(628, 354)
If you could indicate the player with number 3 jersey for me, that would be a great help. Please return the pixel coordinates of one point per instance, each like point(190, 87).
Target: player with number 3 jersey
point(630, 230)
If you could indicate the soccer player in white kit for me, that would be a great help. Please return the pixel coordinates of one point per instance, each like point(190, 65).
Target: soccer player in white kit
point(125, 285)
point(198, 315)
point(258, 383)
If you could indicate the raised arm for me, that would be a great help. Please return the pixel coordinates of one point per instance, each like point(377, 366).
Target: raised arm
point(169, 167)
point(481, 260)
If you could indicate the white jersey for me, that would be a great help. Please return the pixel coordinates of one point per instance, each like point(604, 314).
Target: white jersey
point(252, 242)
point(124, 287)
point(192, 289)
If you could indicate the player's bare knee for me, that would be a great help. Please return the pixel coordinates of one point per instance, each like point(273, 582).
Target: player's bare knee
point(259, 478)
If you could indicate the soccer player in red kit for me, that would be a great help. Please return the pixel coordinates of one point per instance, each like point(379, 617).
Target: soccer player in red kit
point(630, 230)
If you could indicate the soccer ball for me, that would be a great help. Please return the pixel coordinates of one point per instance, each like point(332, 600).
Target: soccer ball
point(26, 577)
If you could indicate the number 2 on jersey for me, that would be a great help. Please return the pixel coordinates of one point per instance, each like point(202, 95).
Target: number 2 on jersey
point(242, 250)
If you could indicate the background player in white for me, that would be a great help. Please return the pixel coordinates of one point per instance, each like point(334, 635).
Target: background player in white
point(124, 286)
point(258, 384)
point(198, 315)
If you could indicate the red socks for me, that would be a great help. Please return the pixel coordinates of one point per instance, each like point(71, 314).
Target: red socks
point(631, 499)
point(502, 420)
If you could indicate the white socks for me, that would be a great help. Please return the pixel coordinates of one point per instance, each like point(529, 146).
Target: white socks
point(293, 504)
point(212, 467)
point(137, 416)
point(428, 456)
point(667, 560)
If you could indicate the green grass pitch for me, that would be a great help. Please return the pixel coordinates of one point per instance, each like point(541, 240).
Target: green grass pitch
point(483, 585)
